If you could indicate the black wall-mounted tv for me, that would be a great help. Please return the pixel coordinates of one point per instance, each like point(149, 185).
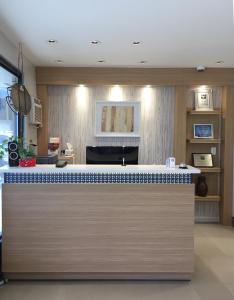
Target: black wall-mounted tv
point(111, 155)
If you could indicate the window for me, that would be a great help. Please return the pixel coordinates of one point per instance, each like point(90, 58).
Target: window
point(9, 121)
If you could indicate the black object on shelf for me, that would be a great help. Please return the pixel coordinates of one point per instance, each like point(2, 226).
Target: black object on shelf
point(183, 166)
point(13, 154)
point(111, 155)
point(61, 163)
point(201, 186)
point(50, 159)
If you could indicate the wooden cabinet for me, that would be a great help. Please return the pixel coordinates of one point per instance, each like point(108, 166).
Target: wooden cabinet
point(98, 231)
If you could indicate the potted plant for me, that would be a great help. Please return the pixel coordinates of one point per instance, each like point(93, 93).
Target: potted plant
point(3, 150)
point(26, 154)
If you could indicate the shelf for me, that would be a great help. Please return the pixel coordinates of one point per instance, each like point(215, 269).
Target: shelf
point(212, 112)
point(210, 170)
point(209, 198)
point(204, 141)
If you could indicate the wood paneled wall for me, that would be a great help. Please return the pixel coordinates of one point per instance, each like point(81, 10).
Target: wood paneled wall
point(180, 78)
point(71, 112)
point(42, 133)
point(227, 154)
point(133, 76)
point(180, 124)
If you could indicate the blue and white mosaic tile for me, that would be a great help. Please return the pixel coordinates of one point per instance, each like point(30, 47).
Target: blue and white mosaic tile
point(169, 178)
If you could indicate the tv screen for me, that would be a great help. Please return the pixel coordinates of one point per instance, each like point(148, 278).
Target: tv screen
point(111, 155)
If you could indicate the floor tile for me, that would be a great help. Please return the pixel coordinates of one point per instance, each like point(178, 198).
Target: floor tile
point(213, 278)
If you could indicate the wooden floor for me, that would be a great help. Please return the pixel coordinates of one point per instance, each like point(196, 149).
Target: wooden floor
point(213, 278)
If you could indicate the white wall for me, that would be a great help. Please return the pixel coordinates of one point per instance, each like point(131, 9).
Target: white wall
point(10, 52)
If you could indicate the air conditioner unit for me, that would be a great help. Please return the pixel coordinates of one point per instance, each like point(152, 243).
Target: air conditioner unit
point(36, 112)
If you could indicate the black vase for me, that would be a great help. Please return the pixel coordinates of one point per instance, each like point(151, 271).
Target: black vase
point(201, 186)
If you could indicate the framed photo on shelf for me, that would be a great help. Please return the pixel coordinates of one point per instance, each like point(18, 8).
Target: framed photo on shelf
point(203, 131)
point(202, 160)
point(203, 101)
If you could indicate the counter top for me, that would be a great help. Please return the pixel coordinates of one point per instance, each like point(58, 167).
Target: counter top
point(101, 169)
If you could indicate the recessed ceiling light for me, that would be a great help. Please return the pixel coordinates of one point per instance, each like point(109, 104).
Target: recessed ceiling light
point(52, 41)
point(95, 42)
point(219, 62)
point(59, 61)
point(136, 42)
point(101, 61)
point(143, 61)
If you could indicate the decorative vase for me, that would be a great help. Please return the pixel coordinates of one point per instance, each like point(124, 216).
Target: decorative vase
point(201, 186)
point(28, 162)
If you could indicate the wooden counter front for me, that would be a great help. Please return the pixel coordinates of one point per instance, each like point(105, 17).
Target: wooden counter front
point(88, 231)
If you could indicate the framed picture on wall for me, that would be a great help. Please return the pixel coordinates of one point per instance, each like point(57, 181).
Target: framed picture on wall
point(118, 118)
point(202, 160)
point(203, 131)
point(203, 100)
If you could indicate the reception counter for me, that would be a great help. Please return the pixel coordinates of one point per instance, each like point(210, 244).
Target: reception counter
point(98, 222)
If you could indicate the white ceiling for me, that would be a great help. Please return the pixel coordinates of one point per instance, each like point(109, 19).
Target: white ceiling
point(174, 33)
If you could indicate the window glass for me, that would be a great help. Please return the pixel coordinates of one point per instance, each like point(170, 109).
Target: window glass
point(8, 119)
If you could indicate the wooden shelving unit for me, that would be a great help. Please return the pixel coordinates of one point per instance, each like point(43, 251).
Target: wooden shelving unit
point(212, 112)
point(211, 170)
point(204, 141)
point(216, 198)
point(209, 206)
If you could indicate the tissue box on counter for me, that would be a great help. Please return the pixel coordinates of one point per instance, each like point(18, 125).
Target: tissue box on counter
point(170, 162)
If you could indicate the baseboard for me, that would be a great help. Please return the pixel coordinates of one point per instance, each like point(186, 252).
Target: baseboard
point(207, 220)
point(98, 276)
point(232, 221)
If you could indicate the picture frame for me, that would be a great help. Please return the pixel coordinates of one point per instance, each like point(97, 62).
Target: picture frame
point(117, 118)
point(203, 131)
point(204, 100)
point(202, 160)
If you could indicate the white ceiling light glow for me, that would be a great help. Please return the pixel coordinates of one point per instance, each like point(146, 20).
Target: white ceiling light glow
point(116, 93)
point(203, 88)
point(147, 98)
point(82, 97)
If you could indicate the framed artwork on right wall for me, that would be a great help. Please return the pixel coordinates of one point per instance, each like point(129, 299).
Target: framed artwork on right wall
point(203, 100)
point(203, 131)
point(202, 160)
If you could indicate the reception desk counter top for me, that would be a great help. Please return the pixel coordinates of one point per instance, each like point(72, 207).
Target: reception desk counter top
point(99, 174)
point(131, 169)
